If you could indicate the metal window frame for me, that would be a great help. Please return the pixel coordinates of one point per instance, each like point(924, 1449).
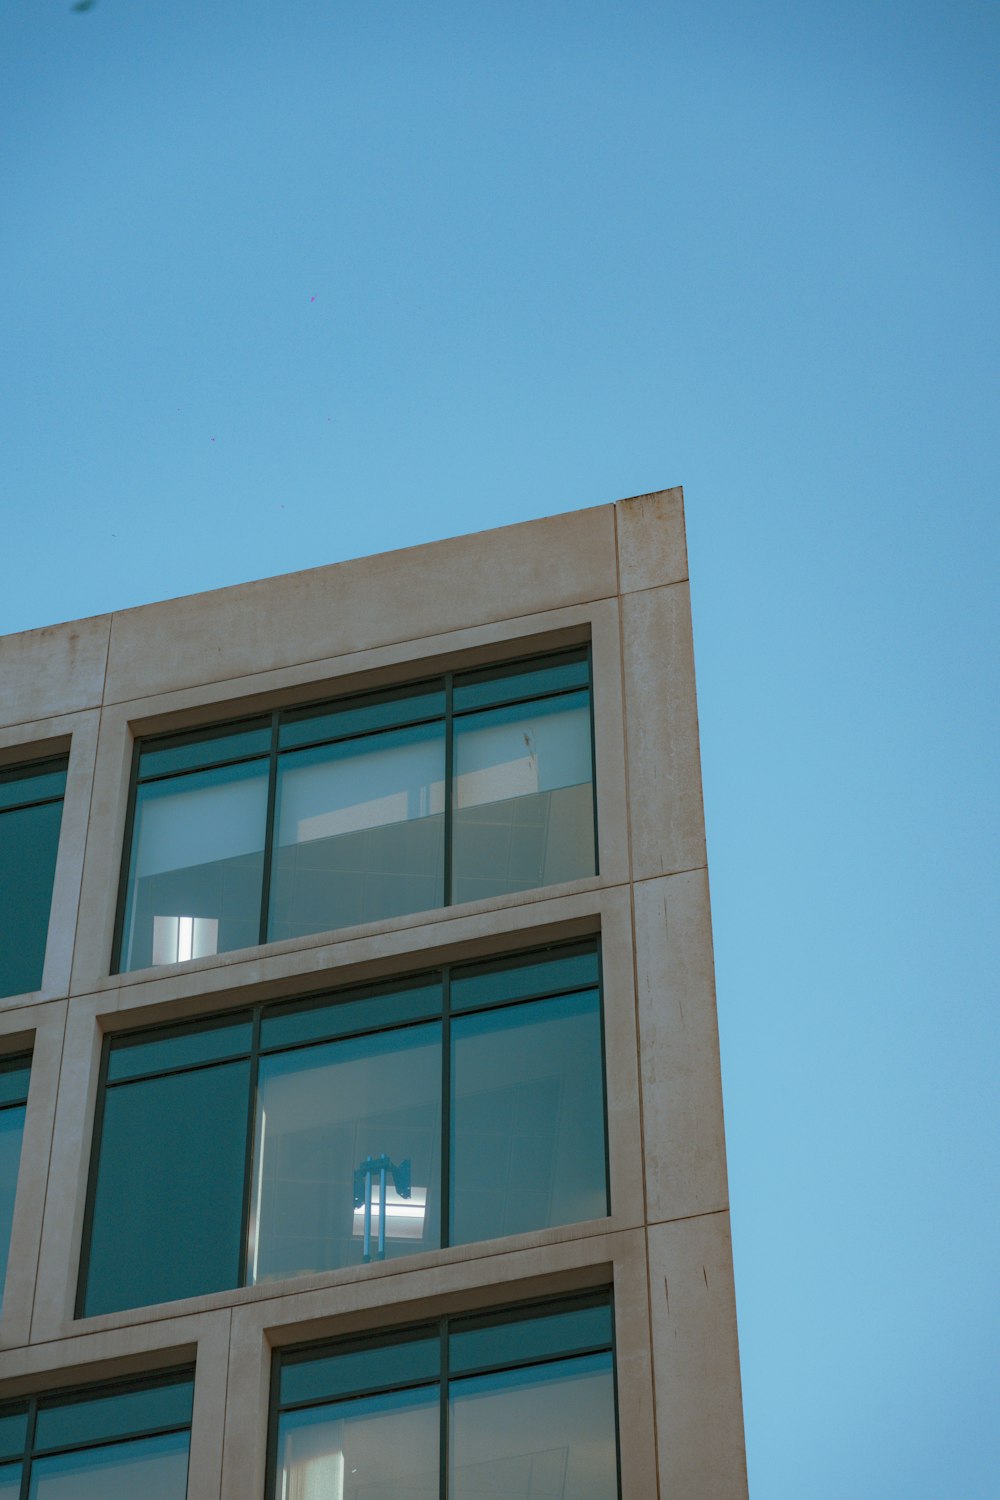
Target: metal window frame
point(450, 717)
point(90, 1392)
point(333, 999)
point(510, 1313)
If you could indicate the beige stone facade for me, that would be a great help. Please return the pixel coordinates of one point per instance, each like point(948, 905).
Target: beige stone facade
point(614, 576)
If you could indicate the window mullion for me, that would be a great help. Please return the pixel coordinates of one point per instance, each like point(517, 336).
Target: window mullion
point(248, 1157)
point(272, 793)
point(29, 1447)
point(449, 771)
point(444, 1432)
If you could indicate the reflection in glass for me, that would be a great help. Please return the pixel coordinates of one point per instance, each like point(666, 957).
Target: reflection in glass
point(197, 864)
point(522, 797)
point(542, 1433)
point(322, 1114)
point(29, 840)
point(154, 1468)
point(10, 1481)
point(11, 1132)
point(376, 1448)
point(166, 1217)
point(359, 832)
point(527, 1128)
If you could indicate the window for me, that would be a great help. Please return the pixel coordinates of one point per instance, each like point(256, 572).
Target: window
point(31, 799)
point(472, 785)
point(14, 1075)
point(304, 1136)
point(517, 1405)
point(101, 1443)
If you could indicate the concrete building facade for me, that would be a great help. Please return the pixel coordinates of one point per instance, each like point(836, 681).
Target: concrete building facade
point(464, 769)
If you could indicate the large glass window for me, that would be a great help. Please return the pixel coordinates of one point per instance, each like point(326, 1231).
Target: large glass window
point(31, 801)
point(472, 785)
point(297, 1137)
point(101, 1443)
point(14, 1077)
point(516, 1405)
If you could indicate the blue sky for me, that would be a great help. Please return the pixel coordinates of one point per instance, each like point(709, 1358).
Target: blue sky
point(283, 284)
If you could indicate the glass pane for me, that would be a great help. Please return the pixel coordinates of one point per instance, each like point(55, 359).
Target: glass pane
point(359, 832)
point(10, 1481)
point(325, 1112)
point(33, 783)
point(486, 984)
point(545, 1433)
point(527, 1125)
point(397, 1359)
point(15, 1075)
point(309, 726)
point(129, 1059)
point(478, 1343)
point(475, 689)
point(340, 1018)
point(197, 861)
point(29, 841)
point(167, 1213)
point(376, 1448)
point(155, 1468)
point(11, 1131)
point(185, 752)
point(13, 1431)
point(523, 798)
point(64, 1424)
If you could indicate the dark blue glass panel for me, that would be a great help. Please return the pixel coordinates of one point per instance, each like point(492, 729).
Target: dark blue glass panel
point(311, 726)
point(180, 1049)
point(491, 1341)
point(145, 1409)
point(482, 689)
point(187, 752)
point(29, 841)
point(533, 974)
point(290, 1025)
point(13, 1431)
point(15, 1075)
point(168, 1205)
point(401, 1359)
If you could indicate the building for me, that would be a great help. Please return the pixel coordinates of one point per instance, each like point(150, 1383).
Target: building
point(355, 939)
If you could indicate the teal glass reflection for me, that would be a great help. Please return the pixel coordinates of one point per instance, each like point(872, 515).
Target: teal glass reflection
point(527, 1121)
point(359, 831)
point(196, 866)
point(153, 1468)
point(479, 1342)
point(65, 1424)
point(323, 1113)
point(380, 1447)
point(522, 798)
point(11, 1135)
point(10, 1481)
point(169, 1195)
point(492, 982)
point(29, 842)
point(548, 1430)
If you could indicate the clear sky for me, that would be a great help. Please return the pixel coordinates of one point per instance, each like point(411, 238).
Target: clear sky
point(290, 282)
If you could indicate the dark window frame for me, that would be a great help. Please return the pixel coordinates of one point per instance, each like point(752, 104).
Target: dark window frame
point(77, 1394)
point(274, 720)
point(436, 980)
point(444, 1326)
